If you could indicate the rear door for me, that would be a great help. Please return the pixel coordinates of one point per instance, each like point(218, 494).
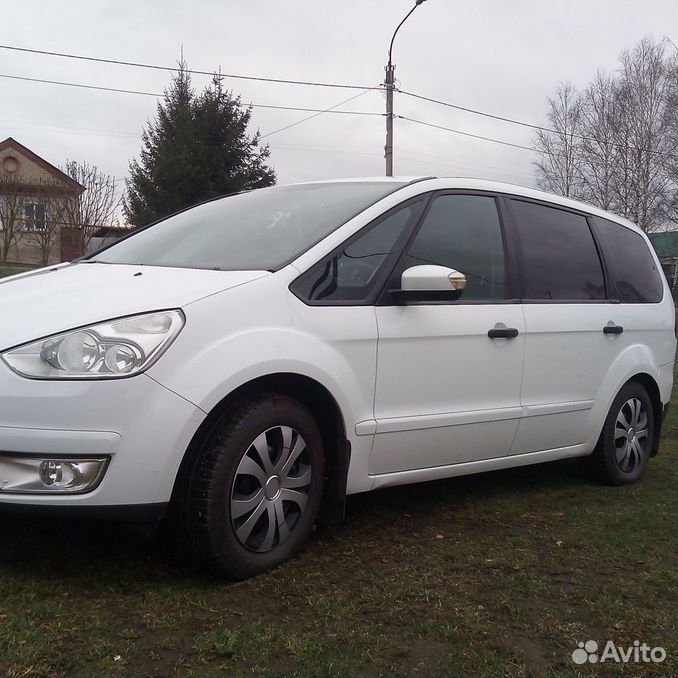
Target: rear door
point(568, 351)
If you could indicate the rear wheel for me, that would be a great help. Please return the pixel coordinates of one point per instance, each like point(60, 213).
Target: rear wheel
point(255, 487)
point(625, 443)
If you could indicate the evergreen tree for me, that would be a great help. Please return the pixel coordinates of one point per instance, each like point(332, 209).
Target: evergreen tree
point(197, 148)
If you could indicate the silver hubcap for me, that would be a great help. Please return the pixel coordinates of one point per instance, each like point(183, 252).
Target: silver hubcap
point(630, 435)
point(270, 488)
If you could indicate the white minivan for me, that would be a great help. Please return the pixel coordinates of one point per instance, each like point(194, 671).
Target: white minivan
point(239, 368)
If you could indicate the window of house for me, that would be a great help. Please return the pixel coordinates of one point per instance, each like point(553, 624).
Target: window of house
point(560, 259)
point(35, 215)
point(630, 263)
point(462, 232)
point(350, 273)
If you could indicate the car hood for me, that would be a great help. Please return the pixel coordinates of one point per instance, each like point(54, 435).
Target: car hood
point(38, 304)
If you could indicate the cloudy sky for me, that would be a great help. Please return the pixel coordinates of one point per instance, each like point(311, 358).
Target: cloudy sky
point(500, 56)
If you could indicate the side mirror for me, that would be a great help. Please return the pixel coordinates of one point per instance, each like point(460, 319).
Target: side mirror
point(430, 283)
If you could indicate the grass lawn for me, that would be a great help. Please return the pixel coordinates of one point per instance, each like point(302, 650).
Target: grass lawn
point(496, 574)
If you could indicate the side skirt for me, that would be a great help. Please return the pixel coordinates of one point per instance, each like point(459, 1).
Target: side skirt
point(467, 468)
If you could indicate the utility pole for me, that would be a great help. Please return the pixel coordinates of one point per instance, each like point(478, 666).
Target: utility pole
point(390, 86)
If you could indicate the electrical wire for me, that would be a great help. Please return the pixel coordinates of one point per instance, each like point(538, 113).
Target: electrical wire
point(467, 134)
point(76, 84)
point(174, 69)
point(315, 115)
point(319, 111)
point(513, 121)
point(154, 94)
point(421, 97)
point(507, 143)
point(476, 112)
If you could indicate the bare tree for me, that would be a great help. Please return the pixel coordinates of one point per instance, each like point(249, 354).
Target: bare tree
point(11, 213)
point(43, 231)
point(615, 146)
point(96, 206)
point(597, 156)
point(557, 167)
point(643, 94)
point(671, 161)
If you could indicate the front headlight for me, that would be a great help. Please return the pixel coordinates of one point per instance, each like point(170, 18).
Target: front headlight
point(118, 348)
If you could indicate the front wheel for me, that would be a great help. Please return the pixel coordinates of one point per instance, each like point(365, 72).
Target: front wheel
point(255, 487)
point(626, 440)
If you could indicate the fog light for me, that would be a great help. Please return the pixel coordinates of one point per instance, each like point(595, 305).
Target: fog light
point(51, 472)
point(25, 474)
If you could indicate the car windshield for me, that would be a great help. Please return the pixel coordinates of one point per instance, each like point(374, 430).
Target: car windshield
point(259, 230)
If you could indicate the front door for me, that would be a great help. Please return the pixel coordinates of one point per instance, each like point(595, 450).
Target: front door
point(446, 391)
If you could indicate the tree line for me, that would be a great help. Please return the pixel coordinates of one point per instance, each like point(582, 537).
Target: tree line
point(614, 144)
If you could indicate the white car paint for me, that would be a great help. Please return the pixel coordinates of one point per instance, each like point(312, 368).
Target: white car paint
point(450, 402)
point(461, 405)
point(61, 298)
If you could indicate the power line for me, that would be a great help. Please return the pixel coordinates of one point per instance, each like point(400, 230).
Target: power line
point(154, 94)
point(514, 145)
point(315, 115)
point(316, 111)
point(320, 111)
point(447, 104)
point(67, 129)
point(468, 163)
point(476, 112)
point(308, 149)
point(467, 134)
point(530, 125)
point(174, 69)
point(76, 84)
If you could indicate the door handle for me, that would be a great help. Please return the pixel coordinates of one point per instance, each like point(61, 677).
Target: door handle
point(613, 329)
point(502, 333)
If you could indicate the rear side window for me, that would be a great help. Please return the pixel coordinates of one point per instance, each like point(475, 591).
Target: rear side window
point(560, 258)
point(630, 263)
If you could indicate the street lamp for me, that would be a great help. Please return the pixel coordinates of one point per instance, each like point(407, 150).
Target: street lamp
point(390, 86)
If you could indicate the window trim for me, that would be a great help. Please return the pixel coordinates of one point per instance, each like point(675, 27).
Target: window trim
point(382, 276)
point(517, 245)
point(513, 256)
point(511, 288)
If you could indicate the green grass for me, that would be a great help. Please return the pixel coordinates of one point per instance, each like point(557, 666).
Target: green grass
point(496, 574)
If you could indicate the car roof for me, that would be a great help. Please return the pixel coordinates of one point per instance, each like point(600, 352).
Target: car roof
point(476, 184)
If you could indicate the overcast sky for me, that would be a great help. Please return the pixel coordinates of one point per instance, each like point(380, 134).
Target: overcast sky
point(500, 56)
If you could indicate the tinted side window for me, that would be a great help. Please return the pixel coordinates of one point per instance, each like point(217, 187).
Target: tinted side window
point(560, 259)
point(631, 265)
point(349, 274)
point(463, 232)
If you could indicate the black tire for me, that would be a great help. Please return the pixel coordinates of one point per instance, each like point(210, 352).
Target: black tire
point(615, 460)
point(206, 512)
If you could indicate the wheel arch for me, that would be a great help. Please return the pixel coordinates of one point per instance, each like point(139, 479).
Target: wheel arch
point(325, 410)
point(649, 383)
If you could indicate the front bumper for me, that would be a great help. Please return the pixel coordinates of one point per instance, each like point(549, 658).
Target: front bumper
point(141, 426)
point(132, 513)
